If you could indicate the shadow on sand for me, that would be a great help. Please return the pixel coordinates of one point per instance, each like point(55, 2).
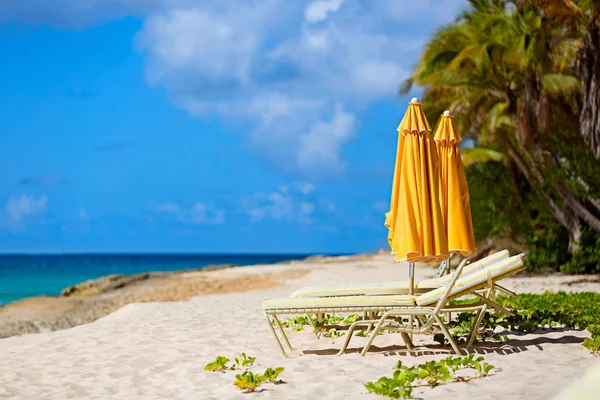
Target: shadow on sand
point(512, 346)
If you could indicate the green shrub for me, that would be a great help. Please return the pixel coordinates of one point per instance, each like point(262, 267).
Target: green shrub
point(431, 373)
point(587, 259)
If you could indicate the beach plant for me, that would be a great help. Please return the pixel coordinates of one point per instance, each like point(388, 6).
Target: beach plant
point(220, 364)
point(361, 333)
point(271, 374)
point(248, 381)
point(593, 343)
point(243, 362)
point(432, 373)
point(297, 323)
point(332, 333)
point(538, 311)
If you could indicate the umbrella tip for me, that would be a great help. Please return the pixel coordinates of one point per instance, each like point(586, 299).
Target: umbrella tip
point(414, 100)
point(446, 113)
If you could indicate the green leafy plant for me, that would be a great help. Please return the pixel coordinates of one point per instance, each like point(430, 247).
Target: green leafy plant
point(431, 373)
point(220, 364)
point(243, 362)
point(248, 381)
point(538, 311)
point(271, 375)
point(297, 323)
point(333, 333)
point(362, 332)
point(593, 343)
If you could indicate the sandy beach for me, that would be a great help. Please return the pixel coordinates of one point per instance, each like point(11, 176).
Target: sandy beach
point(159, 350)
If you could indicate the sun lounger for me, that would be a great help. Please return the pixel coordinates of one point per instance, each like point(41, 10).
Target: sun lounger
point(387, 311)
point(394, 288)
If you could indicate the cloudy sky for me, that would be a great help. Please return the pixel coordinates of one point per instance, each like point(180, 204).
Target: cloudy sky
point(205, 126)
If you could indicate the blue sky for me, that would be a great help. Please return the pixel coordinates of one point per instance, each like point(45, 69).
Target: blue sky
point(213, 126)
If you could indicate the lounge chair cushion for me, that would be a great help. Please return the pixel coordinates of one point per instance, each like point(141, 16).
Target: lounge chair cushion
point(340, 302)
point(395, 288)
point(467, 282)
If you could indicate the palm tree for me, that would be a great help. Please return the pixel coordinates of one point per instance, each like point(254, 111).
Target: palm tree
point(581, 20)
point(512, 84)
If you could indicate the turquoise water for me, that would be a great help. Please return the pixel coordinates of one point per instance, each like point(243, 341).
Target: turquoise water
point(34, 275)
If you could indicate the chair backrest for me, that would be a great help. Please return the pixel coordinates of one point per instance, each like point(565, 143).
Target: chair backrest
point(441, 269)
point(475, 266)
point(448, 290)
point(467, 282)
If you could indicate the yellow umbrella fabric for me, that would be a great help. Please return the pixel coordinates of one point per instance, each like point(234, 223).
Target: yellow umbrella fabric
point(454, 190)
point(416, 228)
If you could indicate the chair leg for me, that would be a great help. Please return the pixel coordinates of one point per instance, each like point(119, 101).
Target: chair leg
point(350, 332)
point(447, 333)
point(504, 290)
point(375, 332)
point(409, 344)
point(282, 332)
point(475, 325)
point(285, 353)
point(492, 304)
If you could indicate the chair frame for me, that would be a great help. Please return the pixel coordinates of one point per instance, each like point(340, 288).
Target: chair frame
point(428, 317)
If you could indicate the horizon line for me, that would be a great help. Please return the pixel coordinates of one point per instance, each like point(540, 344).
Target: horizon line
point(137, 252)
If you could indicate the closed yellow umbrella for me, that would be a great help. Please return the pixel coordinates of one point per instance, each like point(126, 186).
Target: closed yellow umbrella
point(454, 190)
point(416, 228)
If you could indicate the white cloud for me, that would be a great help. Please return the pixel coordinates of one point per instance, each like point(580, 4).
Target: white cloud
point(83, 213)
point(305, 187)
point(168, 207)
point(443, 11)
point(198, 214)
point(318, 10)
point(24, 206)
point(279, 206)
point(381, 206)
point(202, 214)
point(297, 74)
point(307, 208)
point(320, 147)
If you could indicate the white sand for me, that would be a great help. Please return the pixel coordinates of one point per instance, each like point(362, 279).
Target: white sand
point(158, 351)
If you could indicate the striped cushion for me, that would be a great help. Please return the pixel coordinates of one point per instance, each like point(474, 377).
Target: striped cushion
point(336, 302)
point(462, 286)
point(467, 282)
point(394, 288)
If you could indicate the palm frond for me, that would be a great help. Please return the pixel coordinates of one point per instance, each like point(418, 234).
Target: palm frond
point(479, 154)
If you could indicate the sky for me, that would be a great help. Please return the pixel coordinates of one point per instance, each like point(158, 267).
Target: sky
point(225, 126)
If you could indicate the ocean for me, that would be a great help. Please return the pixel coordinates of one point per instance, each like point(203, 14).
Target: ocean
point(24, 276)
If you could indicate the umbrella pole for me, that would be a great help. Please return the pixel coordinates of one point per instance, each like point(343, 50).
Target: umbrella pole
point(411, 291)
point(411, 278)
point(449, 314)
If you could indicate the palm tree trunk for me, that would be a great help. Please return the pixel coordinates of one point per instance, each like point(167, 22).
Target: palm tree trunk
point(574, 230)
point(566, 215)
point(589, 66)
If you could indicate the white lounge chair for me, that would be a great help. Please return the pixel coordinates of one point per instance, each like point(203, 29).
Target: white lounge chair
point(387, 311)
point(396, 288)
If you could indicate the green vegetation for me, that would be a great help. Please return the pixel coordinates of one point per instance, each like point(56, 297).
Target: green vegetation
point(522, 78)
point(243, 362)
point(531, 312)
point(432, 373)
point(247, 381)
point(220, 364)
point(298, 323)
point(534, 311)
point(271, 375)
